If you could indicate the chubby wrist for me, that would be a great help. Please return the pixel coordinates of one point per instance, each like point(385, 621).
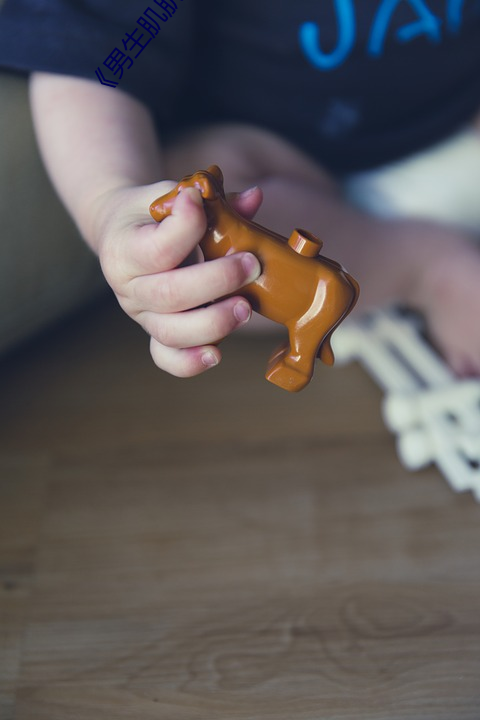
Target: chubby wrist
point(100, 212)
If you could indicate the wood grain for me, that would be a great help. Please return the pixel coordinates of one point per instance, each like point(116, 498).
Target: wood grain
point(217, 549)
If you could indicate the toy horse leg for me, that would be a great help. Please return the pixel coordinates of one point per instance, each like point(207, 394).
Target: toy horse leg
point(291, 365)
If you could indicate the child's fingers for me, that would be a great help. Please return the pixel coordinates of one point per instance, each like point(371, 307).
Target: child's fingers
point(163, 246)
point(464, 366)
point(184, 363)
point(202, 326)
point(246, 202)
point(188, 287)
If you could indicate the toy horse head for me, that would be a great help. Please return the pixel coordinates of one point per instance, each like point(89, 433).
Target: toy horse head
point(208, 182)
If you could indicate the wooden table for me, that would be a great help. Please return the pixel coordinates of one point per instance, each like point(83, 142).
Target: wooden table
point(218, 549)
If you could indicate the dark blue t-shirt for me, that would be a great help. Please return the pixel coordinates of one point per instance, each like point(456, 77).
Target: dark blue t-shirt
point(355, 83)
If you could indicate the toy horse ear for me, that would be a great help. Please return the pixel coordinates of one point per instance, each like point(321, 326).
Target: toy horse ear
point(207, 186)
point(209, 182)
point(217, 173)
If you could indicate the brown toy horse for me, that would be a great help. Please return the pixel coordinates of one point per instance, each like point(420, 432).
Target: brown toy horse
point(308, 294)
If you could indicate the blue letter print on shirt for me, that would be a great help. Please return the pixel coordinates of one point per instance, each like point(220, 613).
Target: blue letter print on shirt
point(454, 15)
point(427, 24)
point(310, 38)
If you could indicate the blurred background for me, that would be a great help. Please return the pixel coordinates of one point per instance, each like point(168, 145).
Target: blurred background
point(204, 548)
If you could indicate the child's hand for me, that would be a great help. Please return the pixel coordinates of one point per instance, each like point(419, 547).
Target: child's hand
point(149, 267)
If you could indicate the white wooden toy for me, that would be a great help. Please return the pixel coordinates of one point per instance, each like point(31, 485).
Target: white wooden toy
point(434, 415)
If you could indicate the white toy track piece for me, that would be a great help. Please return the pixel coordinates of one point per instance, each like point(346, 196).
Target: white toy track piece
point(435, 416)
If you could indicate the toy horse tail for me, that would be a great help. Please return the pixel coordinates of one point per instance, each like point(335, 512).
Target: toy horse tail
point(325, 351)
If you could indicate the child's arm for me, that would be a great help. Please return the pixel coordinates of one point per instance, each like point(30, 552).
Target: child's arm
point(101, 150)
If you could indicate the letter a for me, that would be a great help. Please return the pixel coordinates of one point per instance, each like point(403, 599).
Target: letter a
point(427, 24)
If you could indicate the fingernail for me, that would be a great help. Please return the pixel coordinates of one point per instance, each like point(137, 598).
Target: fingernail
point(209, 359)
point(242, 312)
point(251, 266)
point(249, 191)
